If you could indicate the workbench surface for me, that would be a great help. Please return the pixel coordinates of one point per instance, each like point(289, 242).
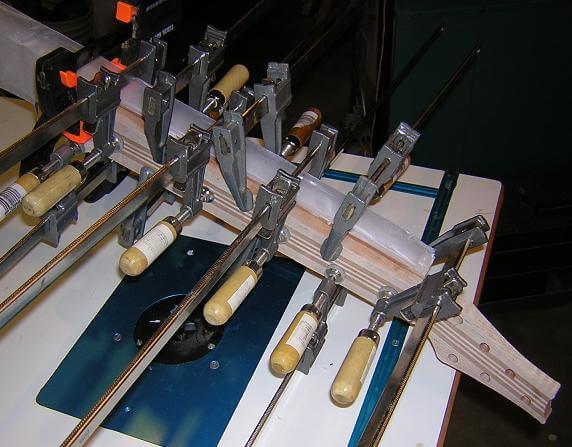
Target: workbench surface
point(35, 343)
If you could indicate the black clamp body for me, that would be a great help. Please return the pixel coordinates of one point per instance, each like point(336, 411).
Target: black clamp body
point(387, 165)
point(276, 88)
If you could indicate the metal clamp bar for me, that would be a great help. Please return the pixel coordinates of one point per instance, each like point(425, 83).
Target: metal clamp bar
point(76, 249)
point(87, 426)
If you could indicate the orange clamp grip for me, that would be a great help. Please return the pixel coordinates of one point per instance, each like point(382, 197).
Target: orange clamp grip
point(125, 12)
point(81, 138)
point(118, 64)
point(68, 78)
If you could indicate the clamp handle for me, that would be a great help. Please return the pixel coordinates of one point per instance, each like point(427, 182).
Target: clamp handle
point(233, 80)
point(351, 375)
point(291, 347)
point(146, 250)
point(51, 191)
point(230, 295)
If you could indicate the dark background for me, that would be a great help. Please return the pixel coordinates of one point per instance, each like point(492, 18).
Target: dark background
point(507, 119)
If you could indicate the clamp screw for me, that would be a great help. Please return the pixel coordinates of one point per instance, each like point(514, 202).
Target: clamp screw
point(284, 235)
point(336, 273)
point(207, 195)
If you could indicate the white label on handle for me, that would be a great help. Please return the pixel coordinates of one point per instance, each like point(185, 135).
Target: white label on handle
point(155, 242)
point(367, 365)
point(241, 293)
point(10, 199)
point(301, 336)
point(307, 118)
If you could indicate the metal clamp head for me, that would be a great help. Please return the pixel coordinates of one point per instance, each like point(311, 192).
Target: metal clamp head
point(391, 157)
point(158, 104)
point(277, 90)
point(280, 196)
point(193, 153)
point(230, 149)
point(352, 208)
point(324, 141)
point(472, 230)
point(206, 58)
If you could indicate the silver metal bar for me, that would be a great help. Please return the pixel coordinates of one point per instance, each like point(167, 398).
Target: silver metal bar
point(397, 381)
point(87, 426)
point(268, 411)
point(40, 136)
point(81, 245)
point(35, 235)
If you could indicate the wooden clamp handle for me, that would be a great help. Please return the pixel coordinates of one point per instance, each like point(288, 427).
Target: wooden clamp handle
point(472, 345)
point(143, 253)
point(55, 188)
point(233, 80)
point(289, 350)
point(230, 295)
point(354, 369)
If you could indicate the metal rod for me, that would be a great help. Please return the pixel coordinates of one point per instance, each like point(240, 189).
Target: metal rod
point(305, 162)
point(35, 235)
point(247, 16)
point(411, 64)
point(447, 87)
point(76, 249)
point(386, 405)
point(40, 136)
point(96, 415)
point(268, 411)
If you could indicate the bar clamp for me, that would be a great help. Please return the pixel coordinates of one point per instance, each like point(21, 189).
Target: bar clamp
point(387, 165)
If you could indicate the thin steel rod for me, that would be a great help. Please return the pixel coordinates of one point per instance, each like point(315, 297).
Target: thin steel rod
point(268, 411)
point(305, 162)
point(40, 136)
point(96, 415)
point(447, 87)
point(247, 16)
point(386, 96)
point(76, 249)
point(386, 405)
point(35, 235)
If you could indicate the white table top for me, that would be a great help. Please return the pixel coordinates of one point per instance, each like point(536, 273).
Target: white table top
point(34, 343)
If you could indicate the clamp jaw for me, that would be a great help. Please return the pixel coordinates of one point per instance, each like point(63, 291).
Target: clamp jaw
point(279, 195)
point(323, 142)
point(441, 288)
point(98, 112)
point(193, 154)
point(276, 89)
point(158, 104)
point(387, 165)
point(205, 58)
point(229, 141)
